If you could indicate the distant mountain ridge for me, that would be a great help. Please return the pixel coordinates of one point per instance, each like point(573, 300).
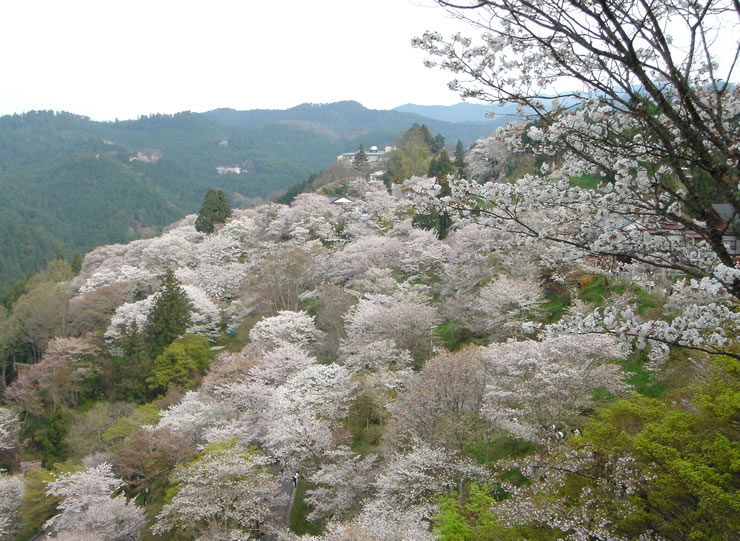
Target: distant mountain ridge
point(493, 115)
point(69, 183)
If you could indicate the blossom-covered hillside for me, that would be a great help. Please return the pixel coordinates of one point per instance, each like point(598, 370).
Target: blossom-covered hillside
point(390, 368)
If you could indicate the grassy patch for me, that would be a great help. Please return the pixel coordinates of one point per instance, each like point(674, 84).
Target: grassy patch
point(640, 379)
point(299, 522)
point(651, 304)
point(453, 335)
point(586, 181)
point(526, 165)
point(369, 440)
point(593, 290)
point(501, 446)
point(555, 306)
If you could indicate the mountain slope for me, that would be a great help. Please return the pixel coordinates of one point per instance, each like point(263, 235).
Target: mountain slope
point(75, 184)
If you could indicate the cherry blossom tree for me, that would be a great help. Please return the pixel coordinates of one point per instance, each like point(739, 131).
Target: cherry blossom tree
point(406, 319)
point(534, 385)
point(191, 416)
point(374, 281)
point(469, 262)
point(379, 521)
point(423, 255)
point(489, 159)
point(11, 497)
point(311, 216)
point(416, 477)
point(242, 229)
point(278, 365)
point(280, 278)
point(305, 410)
point(341, 482)
point(287, 326)
point(372, 251)
point(219, 282)
point(55, 381)
point(125, 316)
point(205, 316)
point(506, 301)
point(376, 356)
point(88, 508)
point(225, 493)
point(654, 120)
point(592, 489)
point(442, 404)
point(10, 427)
point(150, 455)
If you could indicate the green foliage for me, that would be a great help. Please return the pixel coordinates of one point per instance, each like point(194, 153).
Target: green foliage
point(441, 166)
point(411, 157)
point(692, 451)
point(469, 520)
point(215, 210)
point(454, 335)
point(87, 427)
point(590, 181)
point(132, 369)
point(360, 158)
point(37, 507)
point(500, 445)
point(593, 290)
point(170, 316)
point(297, 188)
point(26, 249)
point(651, 304)
point(642, 381)
point(115, 435)
point(180, 364)
point(460, 159)
point(76, 263)
point(365, 421)
point(555, 305)
point(47, 433)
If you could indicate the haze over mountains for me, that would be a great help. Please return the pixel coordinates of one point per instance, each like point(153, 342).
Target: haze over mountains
point(70, 184)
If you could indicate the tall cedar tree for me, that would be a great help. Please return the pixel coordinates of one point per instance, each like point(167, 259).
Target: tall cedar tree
point(440, 168)
point(215, 210)
point(170, 316)
point(360, 158)
point(131, 371)
point(460, 159)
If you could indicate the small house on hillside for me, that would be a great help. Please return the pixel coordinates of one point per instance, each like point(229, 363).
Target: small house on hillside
point(726, 219)
point(342, 201)
point(374, 154)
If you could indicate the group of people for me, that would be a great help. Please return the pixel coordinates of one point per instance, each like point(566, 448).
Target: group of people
point(559, 435)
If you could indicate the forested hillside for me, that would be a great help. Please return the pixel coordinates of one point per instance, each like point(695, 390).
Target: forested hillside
point(71, 184)
point(532, 338)
point(423, 372)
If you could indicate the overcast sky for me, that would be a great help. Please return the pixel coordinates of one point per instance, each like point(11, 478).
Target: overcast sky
point(111, 59)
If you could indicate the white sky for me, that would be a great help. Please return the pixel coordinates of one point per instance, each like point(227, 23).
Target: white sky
point(111, 59)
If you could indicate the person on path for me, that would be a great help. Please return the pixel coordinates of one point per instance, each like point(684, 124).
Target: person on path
point(295, 479)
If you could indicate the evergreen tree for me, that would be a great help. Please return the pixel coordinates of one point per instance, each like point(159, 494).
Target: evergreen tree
point(360, 158)
point(428, 139)
point(215, 210)
point(438, 144)
point(460, 159)
point(130, 371)
point(170, 316)
point(76, 263)
point(441, 166)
